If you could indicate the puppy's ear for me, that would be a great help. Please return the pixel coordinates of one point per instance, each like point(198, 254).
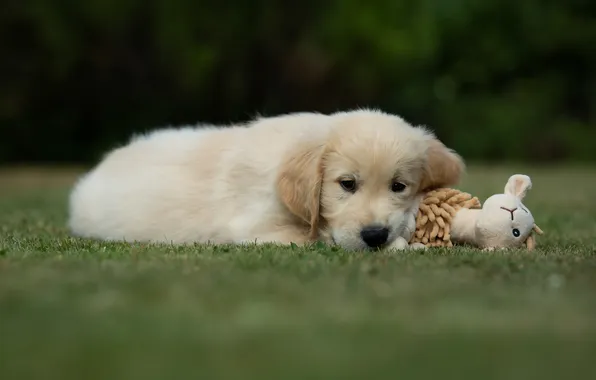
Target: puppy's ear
point(444, 167)
point(299, 183)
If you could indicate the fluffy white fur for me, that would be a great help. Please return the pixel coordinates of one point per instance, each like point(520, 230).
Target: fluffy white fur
point(276, 179)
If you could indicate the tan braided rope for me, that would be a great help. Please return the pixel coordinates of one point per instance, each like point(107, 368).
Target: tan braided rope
point(435, 214)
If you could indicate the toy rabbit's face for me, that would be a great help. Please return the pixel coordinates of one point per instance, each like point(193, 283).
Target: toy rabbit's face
point(504, 221)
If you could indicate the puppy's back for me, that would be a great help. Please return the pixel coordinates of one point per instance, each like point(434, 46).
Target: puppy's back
point(141, 191)
point(190, 184)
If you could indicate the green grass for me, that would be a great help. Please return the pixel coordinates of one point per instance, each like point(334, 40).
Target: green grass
point(76, 309)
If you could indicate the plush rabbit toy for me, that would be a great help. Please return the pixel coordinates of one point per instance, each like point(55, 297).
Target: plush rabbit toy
point(448, 216)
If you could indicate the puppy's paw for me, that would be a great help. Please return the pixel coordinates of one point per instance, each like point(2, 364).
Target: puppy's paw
point(398, 244)
point(417, 246)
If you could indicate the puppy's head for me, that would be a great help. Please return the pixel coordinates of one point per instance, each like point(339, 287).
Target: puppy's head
point(358, 184)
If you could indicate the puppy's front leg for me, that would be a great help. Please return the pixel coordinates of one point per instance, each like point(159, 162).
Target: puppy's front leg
point(417, 246)
point(401, 244)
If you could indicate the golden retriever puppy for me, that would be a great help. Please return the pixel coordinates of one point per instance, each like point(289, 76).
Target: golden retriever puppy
point(350, 178)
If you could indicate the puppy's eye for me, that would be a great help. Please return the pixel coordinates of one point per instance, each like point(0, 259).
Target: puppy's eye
point(515, 232)
point(348, 185)
point(398, 187)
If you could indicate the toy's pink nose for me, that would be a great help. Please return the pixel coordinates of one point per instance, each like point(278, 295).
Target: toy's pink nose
point(511, 211)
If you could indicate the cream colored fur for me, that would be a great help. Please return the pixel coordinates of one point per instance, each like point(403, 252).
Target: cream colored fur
point(271, 180)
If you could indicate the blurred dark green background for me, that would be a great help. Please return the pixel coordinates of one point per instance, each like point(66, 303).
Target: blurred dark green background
point(498, 80)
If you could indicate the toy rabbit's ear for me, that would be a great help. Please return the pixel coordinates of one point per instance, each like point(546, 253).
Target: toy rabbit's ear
point(518, 185)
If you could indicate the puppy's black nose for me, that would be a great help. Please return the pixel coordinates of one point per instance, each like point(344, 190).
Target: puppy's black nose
point(374, 236)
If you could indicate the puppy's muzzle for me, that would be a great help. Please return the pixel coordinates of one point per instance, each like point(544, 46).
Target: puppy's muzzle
point(374, 236)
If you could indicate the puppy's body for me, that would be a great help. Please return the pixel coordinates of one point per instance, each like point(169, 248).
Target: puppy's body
point(193, 184)
point(272, 180)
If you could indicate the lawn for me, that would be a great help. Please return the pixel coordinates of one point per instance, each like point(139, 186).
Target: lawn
point(83, 310)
